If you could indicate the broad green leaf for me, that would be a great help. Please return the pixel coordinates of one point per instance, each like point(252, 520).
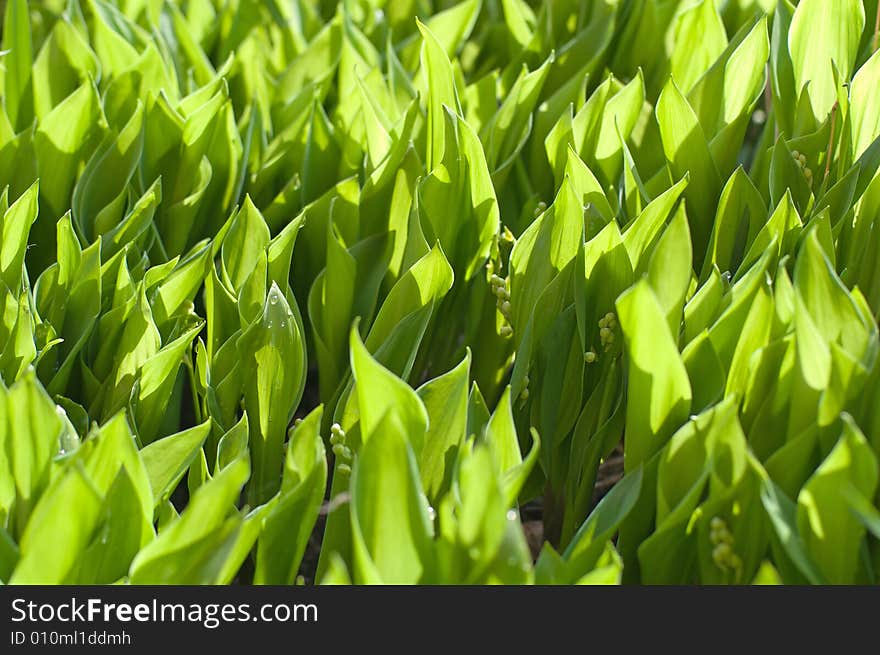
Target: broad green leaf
point(422, 286)
point(441, 91)
point(64, 140)
point(669, 269)
point(99, 194)
point(15, 226)
point(289, 523)
point(446, 401)
point(273, 357)
point(687, 151)
point(391, 530)
point(18, 85)
point(193, 548)
point(831, 533)
point(658, 390)
point(167, 459)
point(60, 529)
point(822, 35)
point(865, 106)
point(380, 392)
point(699, 39)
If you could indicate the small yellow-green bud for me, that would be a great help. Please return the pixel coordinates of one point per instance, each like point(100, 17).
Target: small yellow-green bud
point(505, 308)
point(344, 468)
point(524, 394)
point(506, 331)
point(722, 552)
point(497, 280)
point(590, 357)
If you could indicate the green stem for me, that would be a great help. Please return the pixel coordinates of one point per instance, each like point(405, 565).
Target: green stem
point(830, 151)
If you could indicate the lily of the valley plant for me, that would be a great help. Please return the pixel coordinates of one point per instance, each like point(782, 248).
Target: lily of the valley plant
point(329, 291)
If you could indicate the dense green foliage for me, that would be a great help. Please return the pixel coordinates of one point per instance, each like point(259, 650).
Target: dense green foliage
point(408, 264)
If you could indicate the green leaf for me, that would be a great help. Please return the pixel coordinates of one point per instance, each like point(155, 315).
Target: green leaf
point(158, 376)
point(687, 151)
point(64, 139)
point(422, 286)
point(380, 392)
point(658, 389)
point(782, 512)
point(167, 459)
point(588, 543)
point(865, 106)
point(59, 530)
point(15, 226)
point(823, 35)
point(273, 360)
point(18, 94)
point(462, 176)
point(193, 548)
point(99, 193)
point(700, 39)
point(831, 533)
point(31, 417)
point(441, 91)
point(391, 530)
point(289, 523)
point(669, 269)
point(446, 401)
point(645, 228)
point(546, 247)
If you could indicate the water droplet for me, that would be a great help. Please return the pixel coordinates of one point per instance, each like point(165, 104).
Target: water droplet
point(431, 513)
point(511, 515)
point(269, 325)
point(283, 324)
point(273, 298)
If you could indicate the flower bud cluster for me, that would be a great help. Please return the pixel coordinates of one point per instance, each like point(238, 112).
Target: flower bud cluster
point(607, 328)
point(340, 449)
point(722, 540)
point(801, 160)
point(501, 291)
